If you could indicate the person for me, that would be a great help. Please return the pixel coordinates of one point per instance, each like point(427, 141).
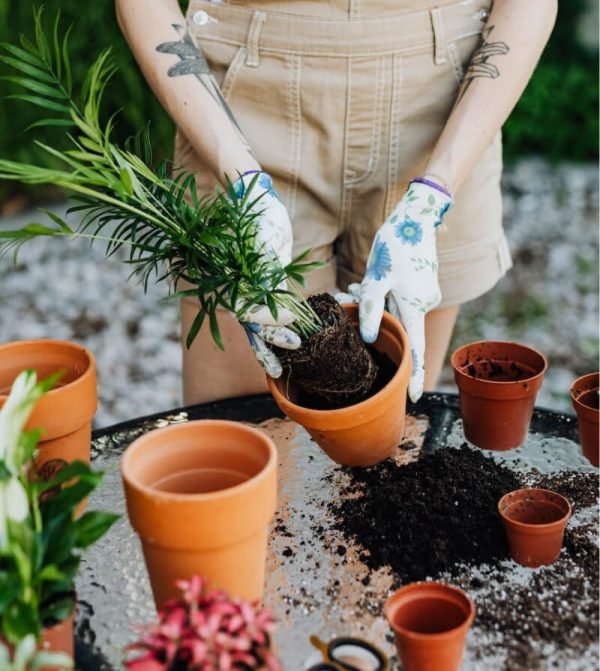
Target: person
point(339, 106)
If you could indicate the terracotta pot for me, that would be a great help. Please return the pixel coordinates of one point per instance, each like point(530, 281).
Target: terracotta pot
point(59, 638)
point(584, 394)
point(367, 432)
point(535, 521)
point(65, 412)
point(498, 382)
point(201, 496)
point(430, 621)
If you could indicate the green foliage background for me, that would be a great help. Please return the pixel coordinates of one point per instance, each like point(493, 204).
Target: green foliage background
point(557, 116)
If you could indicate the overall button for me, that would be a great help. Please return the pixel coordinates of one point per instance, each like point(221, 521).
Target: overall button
point(200, 18)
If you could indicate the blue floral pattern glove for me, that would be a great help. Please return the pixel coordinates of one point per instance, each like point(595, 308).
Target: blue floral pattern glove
point(275, 239)
point(403, 267)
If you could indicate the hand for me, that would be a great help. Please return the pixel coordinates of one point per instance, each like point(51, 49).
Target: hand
point(403, 266)
point(275, 239)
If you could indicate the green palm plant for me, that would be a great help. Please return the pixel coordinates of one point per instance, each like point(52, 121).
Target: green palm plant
point(169, 231)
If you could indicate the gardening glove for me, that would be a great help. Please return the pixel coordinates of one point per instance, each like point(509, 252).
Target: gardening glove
point(403, 267)
point(275, 239)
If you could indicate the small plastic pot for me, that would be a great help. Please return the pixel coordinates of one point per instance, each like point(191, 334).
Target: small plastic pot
point(497, 382)
point(535, 522)
point(201, 496)
point(64, 413)
point(430, 621)
point(368, 432)
point(584, 394)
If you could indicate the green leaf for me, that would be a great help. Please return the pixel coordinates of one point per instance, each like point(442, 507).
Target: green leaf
point(33, 85)
point(91, 526)
point(51, 573)
point(214, 329)
point(58, 610)
point(49, 122)
point(195, 327)
point(28, 69)
point(18, 620)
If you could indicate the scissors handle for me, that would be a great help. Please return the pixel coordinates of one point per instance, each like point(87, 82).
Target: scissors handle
point(382, 663)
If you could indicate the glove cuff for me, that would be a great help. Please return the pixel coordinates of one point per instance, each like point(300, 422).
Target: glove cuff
point(433, 185)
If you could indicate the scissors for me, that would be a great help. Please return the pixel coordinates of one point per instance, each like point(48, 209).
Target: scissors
point(346, 653)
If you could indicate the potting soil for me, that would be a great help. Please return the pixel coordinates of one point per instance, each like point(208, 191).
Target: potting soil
point(426, 517)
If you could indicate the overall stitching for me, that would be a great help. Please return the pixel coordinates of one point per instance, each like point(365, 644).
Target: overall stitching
point(350, 178)
point(395, 97)
point(256, 25)
point(439, 36)
point(232, 71)
point(294, 114)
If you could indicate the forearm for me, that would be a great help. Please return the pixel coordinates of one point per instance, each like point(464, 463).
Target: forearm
point(179, 76)
point(513, 41)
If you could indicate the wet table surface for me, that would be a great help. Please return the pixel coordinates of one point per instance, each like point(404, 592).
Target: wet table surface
point(310, 587)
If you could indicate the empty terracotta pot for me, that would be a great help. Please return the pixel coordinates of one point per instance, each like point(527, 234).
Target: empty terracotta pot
point(367, 432)
point(497, 382)
point(584, 394)
point(64, 413)
point(430, 621)
point(201, 496)
point(535, 521)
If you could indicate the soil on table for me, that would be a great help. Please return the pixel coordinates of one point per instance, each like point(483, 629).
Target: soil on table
point(334, 367)
point(426, 517)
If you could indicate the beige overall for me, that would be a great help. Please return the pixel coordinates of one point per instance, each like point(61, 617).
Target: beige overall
point(342, 102)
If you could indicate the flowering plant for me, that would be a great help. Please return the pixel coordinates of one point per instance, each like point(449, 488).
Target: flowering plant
point(206, 631)
point(26, 657)
point(40, 537)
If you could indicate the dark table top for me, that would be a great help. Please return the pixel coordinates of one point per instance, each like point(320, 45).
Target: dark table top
point(113, 589)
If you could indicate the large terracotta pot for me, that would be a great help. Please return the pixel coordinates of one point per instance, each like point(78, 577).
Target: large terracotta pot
point(584, 394)
point(201, 496)
point(430, 621)
point(535, 522)
point(368, 432)
point(498, 382)
point(65, 412)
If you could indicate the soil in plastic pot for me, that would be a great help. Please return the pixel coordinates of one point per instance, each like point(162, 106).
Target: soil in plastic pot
point(333, 368)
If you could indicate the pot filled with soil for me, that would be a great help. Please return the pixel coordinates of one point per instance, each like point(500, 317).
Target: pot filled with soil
point(535, 522)
point(497, 382)
point(430, 621)
point(585, 395)
point(349, 397)
point(201, 496)
point(65, 412)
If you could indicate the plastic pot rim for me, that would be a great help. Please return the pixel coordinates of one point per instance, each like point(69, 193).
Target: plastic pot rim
point(437, 586)
point(149, 491)
point(458, 370)
point(531, 527)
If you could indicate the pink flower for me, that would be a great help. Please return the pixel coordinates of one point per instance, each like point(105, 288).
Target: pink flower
point(205, 631)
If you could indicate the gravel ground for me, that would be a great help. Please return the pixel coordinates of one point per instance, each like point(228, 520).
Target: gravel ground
point(68, 290)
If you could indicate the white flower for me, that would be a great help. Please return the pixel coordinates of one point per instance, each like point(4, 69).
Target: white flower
point(14, 415)
point(14, 506)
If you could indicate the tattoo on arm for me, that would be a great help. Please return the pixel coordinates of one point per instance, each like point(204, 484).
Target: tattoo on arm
point(480, 65)
point(192, 62)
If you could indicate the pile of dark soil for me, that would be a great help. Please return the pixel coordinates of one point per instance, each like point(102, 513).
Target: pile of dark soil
point(427, 517)
point(334, 367)
point(580, 488)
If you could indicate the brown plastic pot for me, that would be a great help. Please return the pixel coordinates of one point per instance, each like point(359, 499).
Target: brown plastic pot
point(430, 621)
point(64, 413)
point(367, 432)
point(497, 382)
point(201, 496)
point(584, 394)
point(535, 521)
